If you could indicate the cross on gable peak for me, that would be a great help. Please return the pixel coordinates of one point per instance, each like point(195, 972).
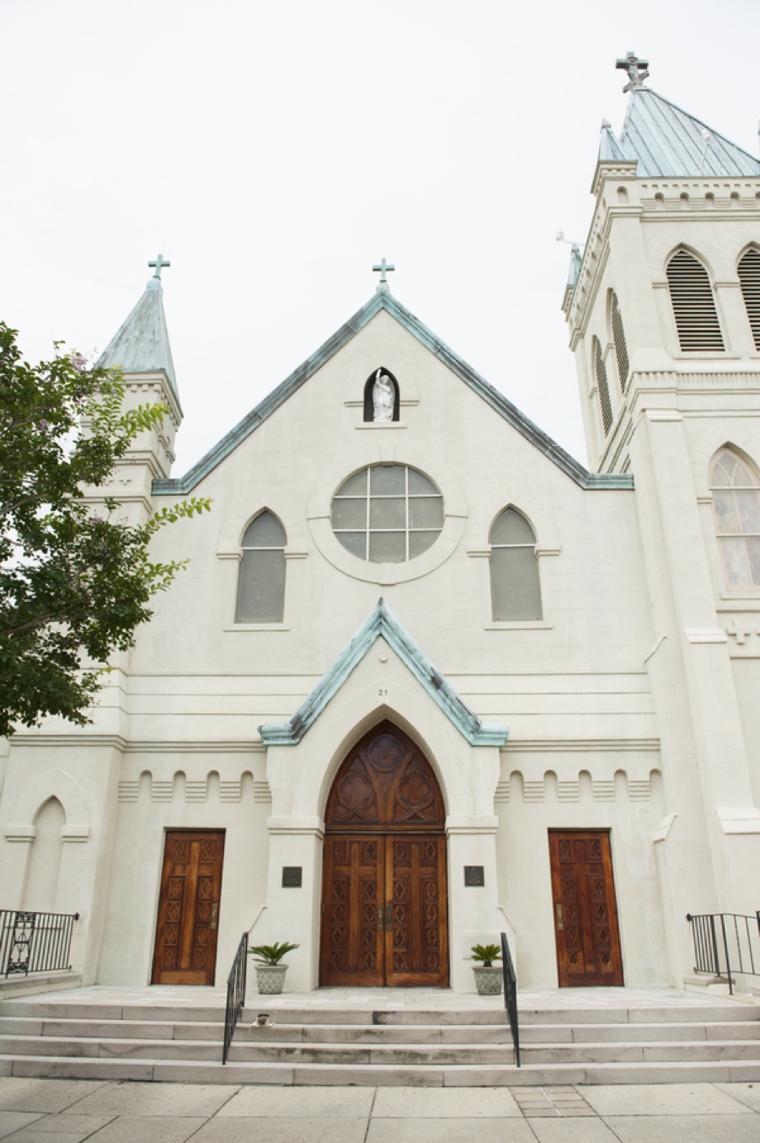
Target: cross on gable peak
point(381, 268)
point(638, 70)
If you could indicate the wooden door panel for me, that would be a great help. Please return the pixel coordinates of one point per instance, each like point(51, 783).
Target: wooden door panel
point(417, 938)
point(188, 911)
point(585, 909)
point(353, 911)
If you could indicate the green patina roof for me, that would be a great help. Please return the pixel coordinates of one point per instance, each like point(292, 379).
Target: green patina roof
point(385, 301)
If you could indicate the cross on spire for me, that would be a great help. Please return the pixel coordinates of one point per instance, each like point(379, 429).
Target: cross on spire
point(159, 263)
point(382, 285)
point(638, 70)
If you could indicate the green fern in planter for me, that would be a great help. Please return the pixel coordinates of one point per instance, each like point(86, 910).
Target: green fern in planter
point(271, 954)
point(486, 954)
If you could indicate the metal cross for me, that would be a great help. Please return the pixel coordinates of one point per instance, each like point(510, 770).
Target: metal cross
point(381, 269)
point(159, 264)
point(638, 70)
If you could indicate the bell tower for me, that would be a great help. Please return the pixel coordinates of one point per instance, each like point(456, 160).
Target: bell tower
point(663, 308)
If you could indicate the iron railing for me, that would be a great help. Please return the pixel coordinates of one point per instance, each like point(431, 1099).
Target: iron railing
point(510, 994)
point(34, 942)
point(235, 994)
point(725, 943)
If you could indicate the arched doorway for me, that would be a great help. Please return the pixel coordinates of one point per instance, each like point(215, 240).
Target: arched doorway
point(384, 896)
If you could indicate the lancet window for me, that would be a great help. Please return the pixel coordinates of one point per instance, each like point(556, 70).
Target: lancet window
point(261, 578)
point(693, 304)
point(618, 339)
point(749, 276)
point(736, 504)
point(600, 375)
point(515, 590)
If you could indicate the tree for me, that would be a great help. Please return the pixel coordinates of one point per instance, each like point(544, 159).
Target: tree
point(75, 582)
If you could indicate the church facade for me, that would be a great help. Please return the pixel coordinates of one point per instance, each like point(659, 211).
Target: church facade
point(426, 678)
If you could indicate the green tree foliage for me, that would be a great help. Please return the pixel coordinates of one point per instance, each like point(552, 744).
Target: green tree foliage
point(75, 581)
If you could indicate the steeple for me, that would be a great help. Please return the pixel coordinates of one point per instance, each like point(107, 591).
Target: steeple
point(141, 344)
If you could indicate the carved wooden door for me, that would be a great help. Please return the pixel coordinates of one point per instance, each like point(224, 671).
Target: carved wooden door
point(585, 910)
point(188, 911)
point(384, 900)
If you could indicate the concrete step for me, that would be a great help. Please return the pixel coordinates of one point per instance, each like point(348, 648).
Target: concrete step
point(187, 1071)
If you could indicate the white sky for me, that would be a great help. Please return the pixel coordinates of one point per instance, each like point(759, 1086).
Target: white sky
point(275, 151)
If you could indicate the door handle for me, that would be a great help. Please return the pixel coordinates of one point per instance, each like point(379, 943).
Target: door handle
point(558, 910)
point(214, 914)
point(379, 918)
point(388, 917)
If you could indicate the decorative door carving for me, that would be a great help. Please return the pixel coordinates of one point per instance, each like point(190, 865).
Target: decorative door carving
point(585, 910)
point(188, 910)
point(384, 901)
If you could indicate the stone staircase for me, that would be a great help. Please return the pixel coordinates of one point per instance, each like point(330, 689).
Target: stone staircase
point(710, 1042)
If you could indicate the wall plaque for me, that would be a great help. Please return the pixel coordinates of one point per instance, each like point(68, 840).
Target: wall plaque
point(474, 875)
point(292, 876)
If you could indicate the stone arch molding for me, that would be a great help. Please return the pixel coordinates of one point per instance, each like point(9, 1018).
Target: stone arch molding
point(528, 505)
point(713, 438)
point(52, 784)
point(262, 496)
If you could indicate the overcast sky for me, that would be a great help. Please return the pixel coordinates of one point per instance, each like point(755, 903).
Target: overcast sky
point(274, 151)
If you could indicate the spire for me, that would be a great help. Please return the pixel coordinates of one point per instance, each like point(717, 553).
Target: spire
point(141, 344)
point(667, 141)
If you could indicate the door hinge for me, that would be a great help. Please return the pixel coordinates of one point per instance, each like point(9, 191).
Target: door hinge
point(558, 910)
point(388, 917)
point(379, 918)
point(214, 914)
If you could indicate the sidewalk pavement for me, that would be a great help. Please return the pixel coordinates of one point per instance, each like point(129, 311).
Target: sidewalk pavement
point(71, 1111)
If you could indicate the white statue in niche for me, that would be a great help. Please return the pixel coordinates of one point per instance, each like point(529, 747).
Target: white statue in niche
point(383, 397)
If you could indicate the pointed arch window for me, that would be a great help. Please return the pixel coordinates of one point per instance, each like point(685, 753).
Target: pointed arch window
point(515, 590)
point(736, 503)
point(261, 578)
point(618, 338)
point(693, 304)
point(749, 276)
point(600, 375)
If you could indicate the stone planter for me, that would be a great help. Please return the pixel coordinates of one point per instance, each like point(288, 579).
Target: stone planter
point(488, 979)
point(270, 978)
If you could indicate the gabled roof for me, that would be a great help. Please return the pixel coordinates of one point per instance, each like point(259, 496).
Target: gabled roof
point(385, 301)
point(141, 344)
point(667, 141)
point(382, 622)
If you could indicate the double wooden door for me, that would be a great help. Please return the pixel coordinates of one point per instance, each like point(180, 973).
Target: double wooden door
point(585, 910)
point(384, 895)
point(188, 911)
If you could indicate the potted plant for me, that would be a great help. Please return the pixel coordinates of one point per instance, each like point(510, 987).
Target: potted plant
point(270, 971)
point(488, 976)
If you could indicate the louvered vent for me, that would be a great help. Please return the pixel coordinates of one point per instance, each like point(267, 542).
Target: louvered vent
point(621, 349)
point(749, 276)
point(693, 305)
point(602, 386)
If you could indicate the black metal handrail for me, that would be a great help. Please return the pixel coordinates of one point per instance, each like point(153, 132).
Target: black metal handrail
point(510, 994)
point(34, 942)
point(235, 994)
point(726, 943)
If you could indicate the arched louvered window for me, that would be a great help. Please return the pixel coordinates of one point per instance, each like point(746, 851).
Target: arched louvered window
point(515, 592)
point(261, 578)
point(749, 276)
point(618, 337)
point(736, 504)
point(600, 373)
point(693, 304)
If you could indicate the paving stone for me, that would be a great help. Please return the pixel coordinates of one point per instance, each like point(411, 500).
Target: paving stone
point(294, 1102)
point(572, 1131)
point(68, 1123)
point(660, 1099)
point(137, 1129)
point(452, 1102)
point(11, 1121)
point(18, 1093)
point(746, 1093)
point(162, 1099)
point(507, 1130)
point(685, 1128)
point(282, 1130)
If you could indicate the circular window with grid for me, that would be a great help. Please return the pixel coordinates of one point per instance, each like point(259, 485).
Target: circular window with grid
point(387, 513)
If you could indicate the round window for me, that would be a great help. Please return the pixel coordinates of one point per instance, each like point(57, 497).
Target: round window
point(387, 513)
